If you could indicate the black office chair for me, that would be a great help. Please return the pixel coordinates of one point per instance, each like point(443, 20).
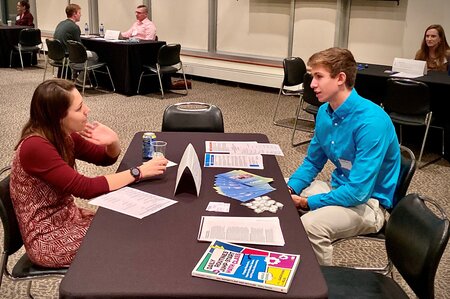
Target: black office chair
point(192, 117)
point(24, 269)
point(415, 241)
point(408, 103)
point(168, 62)
point(56, 56)
point(29, 42)
point(294, 69)
point(78, 61)
point(308, 103)
point(408, 167)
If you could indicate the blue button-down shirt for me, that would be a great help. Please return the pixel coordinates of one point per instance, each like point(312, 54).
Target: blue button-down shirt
point(360, 140)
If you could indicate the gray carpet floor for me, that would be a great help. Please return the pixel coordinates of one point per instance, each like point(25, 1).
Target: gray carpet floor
point(245, 109)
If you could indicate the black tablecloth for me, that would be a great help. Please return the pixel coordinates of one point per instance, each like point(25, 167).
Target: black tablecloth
point(9, 37)
point(123, 257)
point(371, 84)
point(125, 60)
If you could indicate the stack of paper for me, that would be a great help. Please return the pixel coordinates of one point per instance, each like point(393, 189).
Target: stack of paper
point(242, 185)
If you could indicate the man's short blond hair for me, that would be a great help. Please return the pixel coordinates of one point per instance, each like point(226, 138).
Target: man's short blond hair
point(336, 60)
point(72, 9)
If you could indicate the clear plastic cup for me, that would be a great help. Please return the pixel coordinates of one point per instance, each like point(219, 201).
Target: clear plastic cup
point(159, 148)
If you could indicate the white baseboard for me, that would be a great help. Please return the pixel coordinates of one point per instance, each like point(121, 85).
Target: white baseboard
point(235, 72)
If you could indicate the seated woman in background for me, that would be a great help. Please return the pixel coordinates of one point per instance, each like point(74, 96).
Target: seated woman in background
point(434, 49)
point(44, 179)
point(24, 17)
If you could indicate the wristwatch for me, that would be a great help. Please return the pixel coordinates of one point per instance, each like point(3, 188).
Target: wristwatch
point(136, 173)
point(306, 208)
point(291, 190)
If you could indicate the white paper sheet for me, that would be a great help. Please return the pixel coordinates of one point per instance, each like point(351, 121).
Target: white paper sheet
point(243, 148)
point(170, 164)
point(132, 202)
point(234, 161)
point(215, 206)
point(112, 34)
point(409, 67)
point(258, 149)
point(406, 75)
point(243, 230)
point(223, 146)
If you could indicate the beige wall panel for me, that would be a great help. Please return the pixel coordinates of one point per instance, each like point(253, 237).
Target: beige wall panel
point(314, 27)
point(84, 13)
point(376, 30)
point(117, 14)
point(182, 22)
point(50, 13)
point(253, 27)
point(419, 15)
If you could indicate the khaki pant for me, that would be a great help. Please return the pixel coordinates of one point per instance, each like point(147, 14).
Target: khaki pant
point(326, 224)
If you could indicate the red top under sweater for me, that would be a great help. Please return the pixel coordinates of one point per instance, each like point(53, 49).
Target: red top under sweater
point(43, 187)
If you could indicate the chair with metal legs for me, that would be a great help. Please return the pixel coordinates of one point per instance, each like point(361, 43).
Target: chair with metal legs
point(168, 62)
point(56, 56)
point(408, 104)
point(308, 103)
point(416, 237)
point(408, 165)
point(29, 42)
point(78, 61)
point(294, 70)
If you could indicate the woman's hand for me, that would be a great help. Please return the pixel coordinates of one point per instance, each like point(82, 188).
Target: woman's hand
point(99, 134)
point(155, 166)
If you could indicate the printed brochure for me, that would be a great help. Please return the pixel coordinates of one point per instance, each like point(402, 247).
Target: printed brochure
point(247, 266)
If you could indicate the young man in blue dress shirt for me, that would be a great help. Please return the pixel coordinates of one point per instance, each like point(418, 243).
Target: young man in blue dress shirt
point(358, 137)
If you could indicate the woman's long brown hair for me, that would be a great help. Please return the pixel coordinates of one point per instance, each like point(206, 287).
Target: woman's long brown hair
point(443, 47)
point(49, 105)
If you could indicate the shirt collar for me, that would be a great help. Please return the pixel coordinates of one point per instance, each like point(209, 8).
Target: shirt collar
point(346, 107)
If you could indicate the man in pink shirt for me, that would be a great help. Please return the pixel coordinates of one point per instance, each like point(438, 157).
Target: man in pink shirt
point(143, 28)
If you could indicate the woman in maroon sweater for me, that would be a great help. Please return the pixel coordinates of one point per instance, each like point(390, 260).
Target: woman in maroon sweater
point(24, 16)
point(44, 179)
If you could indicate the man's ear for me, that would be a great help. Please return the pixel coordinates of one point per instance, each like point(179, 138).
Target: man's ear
point(342, 77)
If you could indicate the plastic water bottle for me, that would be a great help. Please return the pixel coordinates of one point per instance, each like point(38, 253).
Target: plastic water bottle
point(86, 29)
point(102, 30)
